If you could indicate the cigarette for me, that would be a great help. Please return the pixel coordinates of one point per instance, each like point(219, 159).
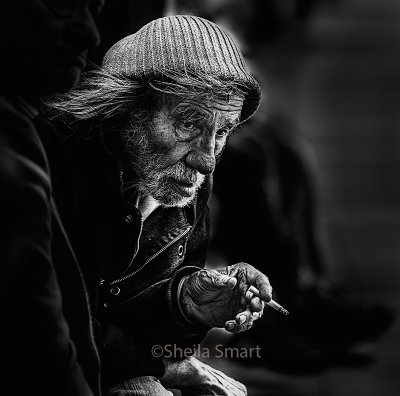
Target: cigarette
point(273, 304)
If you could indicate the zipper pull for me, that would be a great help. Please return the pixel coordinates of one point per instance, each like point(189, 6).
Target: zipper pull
point(102, 283)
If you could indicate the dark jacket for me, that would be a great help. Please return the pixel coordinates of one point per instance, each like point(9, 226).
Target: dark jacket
point(132, 269)
point(37, 354)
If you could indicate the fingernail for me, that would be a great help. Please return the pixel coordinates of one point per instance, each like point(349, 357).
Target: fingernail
point(242, 319)
point(230, 326)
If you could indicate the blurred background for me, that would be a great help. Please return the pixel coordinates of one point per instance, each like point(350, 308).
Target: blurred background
point(309, 191)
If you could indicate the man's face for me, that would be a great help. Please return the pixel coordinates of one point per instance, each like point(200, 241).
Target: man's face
point(47, 43)
point(181, 146)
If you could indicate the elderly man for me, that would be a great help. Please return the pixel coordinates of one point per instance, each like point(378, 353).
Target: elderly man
point(145, 132)
point(46, 344)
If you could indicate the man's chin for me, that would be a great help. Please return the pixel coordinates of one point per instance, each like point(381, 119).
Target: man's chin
point(174, 199)
point(169, 192)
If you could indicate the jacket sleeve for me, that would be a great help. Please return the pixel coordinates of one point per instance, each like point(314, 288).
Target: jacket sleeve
point(34, 336)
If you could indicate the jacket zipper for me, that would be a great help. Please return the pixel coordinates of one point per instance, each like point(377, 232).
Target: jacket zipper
point(137, 245)
point(151, 257)
point(121, 181)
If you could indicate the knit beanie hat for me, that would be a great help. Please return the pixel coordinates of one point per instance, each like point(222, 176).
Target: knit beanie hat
point(183, 43)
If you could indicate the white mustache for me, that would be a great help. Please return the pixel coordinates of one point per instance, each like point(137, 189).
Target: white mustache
point(181, 172)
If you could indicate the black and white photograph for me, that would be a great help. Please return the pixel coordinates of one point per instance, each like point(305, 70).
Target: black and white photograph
point(200, 197)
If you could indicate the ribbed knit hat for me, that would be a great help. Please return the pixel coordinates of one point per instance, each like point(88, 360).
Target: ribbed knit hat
point(183, 43)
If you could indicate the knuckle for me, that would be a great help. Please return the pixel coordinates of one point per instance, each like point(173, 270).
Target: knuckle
point(203, 275)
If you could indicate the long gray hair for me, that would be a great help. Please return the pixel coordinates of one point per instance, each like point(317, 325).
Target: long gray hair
point(102, 97)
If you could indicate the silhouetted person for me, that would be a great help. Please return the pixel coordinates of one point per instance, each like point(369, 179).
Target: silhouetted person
point(46, 341)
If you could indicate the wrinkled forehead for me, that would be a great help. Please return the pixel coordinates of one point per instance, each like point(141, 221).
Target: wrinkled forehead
point(228, 108)
point(231, 104)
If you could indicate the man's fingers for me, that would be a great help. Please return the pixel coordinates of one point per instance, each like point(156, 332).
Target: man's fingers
point(261, 282)
point(215, 382)
point(222, 281)
point(265, 290)
point(234, 327)
point(257, 315)
point(243, 317)
point(231, 386)
point(252, 276)
point(256, 305)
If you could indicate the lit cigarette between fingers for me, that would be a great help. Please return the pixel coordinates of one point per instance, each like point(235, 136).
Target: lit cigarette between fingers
point(273, 304)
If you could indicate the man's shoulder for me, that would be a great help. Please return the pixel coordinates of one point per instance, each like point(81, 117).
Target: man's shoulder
point(15, 125)
point(22, 157)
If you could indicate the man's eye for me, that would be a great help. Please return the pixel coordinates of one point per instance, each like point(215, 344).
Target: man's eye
point(188, 125)
point(223, 132)
point(187, 129)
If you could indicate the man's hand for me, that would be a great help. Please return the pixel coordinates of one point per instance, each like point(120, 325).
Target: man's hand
point(196, 378)
point(219, 298)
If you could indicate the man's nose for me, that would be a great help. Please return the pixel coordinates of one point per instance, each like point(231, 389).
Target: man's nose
point(202, 156)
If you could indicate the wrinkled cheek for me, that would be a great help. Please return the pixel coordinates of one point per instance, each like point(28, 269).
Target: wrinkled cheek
point(167, 147)
point(173, 156)
point(163, 139)
point(219, 151)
